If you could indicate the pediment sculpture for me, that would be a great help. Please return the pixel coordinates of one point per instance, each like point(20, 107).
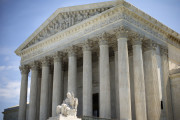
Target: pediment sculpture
point(63, 21)
point(69, 106)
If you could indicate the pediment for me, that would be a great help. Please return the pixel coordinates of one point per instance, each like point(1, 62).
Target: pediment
point(64, 18)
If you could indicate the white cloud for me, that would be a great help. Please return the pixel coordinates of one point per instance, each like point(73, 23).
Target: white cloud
point(10, 90)
point(10, 67)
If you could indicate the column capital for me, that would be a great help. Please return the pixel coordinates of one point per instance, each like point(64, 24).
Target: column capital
point(121, 32)
point(45, 61)
point(163, 51)
point(87, 46)
point(149, 45)
point(103, 42)
point(35, 65)
point(137, 39)
point(72, 51)
point(58, 56)
point(137, 42)
point(24, 69)
point(103, 38)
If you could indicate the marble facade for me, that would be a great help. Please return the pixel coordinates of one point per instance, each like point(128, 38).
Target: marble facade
point(111, 48)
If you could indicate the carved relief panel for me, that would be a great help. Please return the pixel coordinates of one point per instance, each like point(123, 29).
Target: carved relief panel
point(64, 21)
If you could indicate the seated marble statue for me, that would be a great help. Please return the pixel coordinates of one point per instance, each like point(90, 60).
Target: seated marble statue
point(69, 106)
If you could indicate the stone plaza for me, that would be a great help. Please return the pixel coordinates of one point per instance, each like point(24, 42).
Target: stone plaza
point(118, 61)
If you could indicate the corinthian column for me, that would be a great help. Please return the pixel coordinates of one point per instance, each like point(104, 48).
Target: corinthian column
point(116, 80)
point(72, 71)
point(44, 89)
point(38, 95)
point(123, 78)
point(151, 82)
point(105, 98)
point(50, 82)
point(87, 80)
point(57, 83)
point(23, 92)
point(139, 85)
point(33, 92)
point(166, 84)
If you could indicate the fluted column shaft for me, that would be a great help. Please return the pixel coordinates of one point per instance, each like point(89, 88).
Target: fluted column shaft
point(105, 106)
point(132, 85)
point(23, 93)
point(72, 72)
point(116, 80)
point(57, 83)
point(33, 92)
point(44, 90)
point(124, 81)
point(38, 95)
point(151, 83)
point(50, 92)
point(139, 85)
point(167, 104)
point(87, 81)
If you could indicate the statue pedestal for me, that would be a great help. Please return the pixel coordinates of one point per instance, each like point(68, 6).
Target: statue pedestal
point(61, 117)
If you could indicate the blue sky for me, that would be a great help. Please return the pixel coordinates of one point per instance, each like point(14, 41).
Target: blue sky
point(20, 18)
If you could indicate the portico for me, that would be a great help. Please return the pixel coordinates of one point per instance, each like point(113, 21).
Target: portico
point(84, 47)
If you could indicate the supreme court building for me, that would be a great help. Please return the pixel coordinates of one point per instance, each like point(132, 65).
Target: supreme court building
point(118, 61)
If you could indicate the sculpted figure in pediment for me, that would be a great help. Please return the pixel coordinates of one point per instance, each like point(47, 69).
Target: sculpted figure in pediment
point(55, 26)
point(50, 29)
point(85, 15)
point(44, 33)
point(63, 23)
point(59, 22)
point(73, 16)
point(91, 13)
point(66, 21)
point(79, 17)
point(97, 11)
point(41, 36)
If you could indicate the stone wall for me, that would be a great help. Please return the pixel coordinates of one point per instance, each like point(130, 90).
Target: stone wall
point(12, 113)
